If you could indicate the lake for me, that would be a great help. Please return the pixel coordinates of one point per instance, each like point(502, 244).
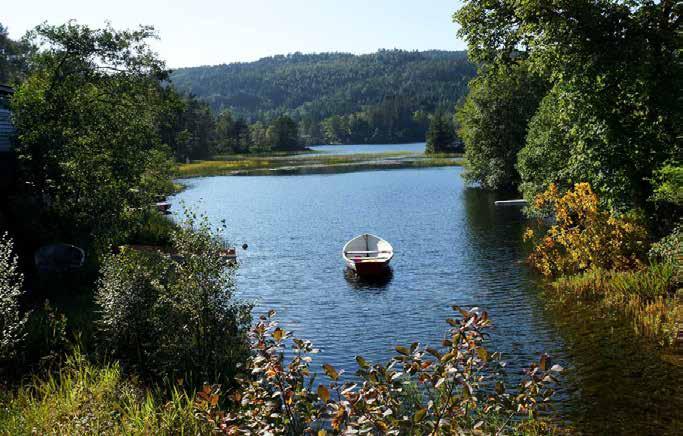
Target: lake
point(418, 147)
point(453, 246)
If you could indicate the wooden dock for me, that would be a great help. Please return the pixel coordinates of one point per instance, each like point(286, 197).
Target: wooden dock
point(518, 202)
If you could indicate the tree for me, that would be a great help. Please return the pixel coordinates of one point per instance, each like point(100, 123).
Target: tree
point(259, 138)
point(316, 87)
point(440, 135)
point(612, 69)
point(224, 142)
point(13, 58)
point(283, 133)
point(88, 119)
point(493, 122)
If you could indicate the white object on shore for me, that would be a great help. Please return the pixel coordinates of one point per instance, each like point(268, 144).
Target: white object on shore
point(368, 254)
point(520, 202)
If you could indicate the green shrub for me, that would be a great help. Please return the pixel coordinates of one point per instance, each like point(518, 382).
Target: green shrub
point(174, 316)
point(12, 321)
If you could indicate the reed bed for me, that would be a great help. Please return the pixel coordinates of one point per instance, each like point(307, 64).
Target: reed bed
point(646, 296)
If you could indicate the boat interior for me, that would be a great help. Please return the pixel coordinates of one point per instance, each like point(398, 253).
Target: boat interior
point(367, 246)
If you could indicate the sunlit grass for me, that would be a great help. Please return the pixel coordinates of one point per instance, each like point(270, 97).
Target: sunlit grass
point(83, 398)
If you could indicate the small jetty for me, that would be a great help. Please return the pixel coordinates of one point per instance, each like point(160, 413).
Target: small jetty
point(519, 202)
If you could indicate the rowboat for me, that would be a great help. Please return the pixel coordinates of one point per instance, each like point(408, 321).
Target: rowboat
point(368, 254)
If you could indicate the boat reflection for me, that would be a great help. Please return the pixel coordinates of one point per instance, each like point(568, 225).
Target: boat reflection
point(369, 283)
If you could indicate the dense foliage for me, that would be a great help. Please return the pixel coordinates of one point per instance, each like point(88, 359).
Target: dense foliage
point(87, 118)
point(493, 123)
point(337, 97)
point(175, 316)
point(612, 114)
point(455, 389)
point(194, 132)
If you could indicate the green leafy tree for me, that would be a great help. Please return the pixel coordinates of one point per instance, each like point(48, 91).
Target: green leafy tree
point(88, 120)
point(13, 58)
point(493, 122)
point(258, 136)
point(224, 142)
point(613, 71)
point(440, 136)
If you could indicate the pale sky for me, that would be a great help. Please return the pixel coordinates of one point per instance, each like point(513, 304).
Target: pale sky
point(207, 32)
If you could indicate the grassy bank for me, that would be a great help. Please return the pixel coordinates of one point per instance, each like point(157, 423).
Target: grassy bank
point(311, 163)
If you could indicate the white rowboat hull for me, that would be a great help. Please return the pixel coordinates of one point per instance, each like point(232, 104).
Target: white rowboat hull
point(368, 254)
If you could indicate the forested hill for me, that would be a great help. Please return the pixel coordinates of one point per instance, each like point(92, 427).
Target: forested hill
point(337, 97)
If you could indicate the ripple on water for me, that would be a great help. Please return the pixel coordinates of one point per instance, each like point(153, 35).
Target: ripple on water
point(452, 247)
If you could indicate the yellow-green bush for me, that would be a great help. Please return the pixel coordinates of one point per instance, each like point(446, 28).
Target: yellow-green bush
point(583, 235)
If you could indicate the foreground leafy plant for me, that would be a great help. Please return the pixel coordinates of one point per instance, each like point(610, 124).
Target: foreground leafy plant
point(422, 390)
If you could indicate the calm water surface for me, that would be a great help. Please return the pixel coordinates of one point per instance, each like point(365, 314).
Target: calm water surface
point(453, 246)
point(418, 147)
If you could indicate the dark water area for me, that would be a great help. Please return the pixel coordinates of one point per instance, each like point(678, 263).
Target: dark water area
point(453, 246)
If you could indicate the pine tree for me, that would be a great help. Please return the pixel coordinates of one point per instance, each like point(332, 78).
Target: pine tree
point(440, 135)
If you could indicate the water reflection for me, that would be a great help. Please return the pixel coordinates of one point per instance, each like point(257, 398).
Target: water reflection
point(377, 283)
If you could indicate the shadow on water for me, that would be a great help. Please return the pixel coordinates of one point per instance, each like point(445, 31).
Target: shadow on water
point(375, 284)
point(624, 385)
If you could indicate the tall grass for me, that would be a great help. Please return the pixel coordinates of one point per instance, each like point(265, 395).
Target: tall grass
point(82, 398)
point(647, 296)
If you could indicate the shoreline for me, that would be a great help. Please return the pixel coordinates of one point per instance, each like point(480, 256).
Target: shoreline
point(313, 163)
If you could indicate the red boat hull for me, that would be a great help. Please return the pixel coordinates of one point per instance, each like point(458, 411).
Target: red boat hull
point(371, 268)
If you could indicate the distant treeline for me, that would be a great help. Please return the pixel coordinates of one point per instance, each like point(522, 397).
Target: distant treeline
point(382, 97)
point(193, 131)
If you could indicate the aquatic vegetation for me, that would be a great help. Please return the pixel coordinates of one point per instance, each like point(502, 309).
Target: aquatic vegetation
point(584, 235)
point(454, 389)
point(646, 296)
point(310, 163)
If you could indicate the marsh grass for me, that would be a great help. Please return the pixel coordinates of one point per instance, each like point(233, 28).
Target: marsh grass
point(84, 398)
point(310, 163)
point(646, 296)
